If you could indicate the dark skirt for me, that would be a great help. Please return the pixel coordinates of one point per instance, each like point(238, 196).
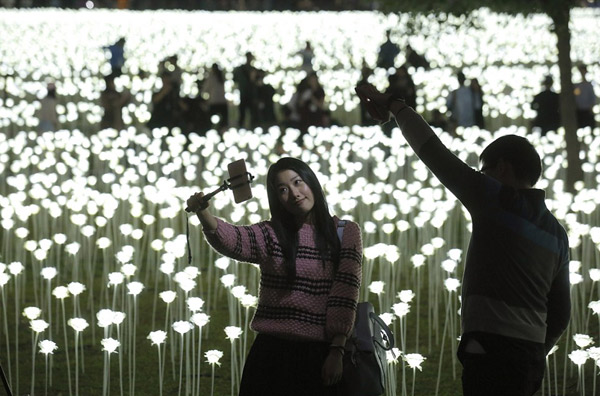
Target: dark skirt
point(279, 367)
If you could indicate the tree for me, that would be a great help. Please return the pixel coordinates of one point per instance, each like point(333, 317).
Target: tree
point(559, 12)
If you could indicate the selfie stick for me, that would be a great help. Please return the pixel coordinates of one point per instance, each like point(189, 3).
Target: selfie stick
point(227, 184)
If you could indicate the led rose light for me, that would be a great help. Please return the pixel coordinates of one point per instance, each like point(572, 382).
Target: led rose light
point(115, 278)
point(222, 263)
point(455, 254)
point(168, 296)
point(78, 324)
point(248, 301)
point(48, 273)
point(449, 265)
point(582, 340)
point(182, 326)
point(191, 272)
point(387, 318)
point(406, 296)
point(376, 287)
point(200, 319)
point(452, 284)
point(594, 274)
point(110, 345)
point(72, 248)
point(15, 268)
point(167, 268)
point(414, 360)
point(213, 356)
point(60, 292)
point(47, 347)
point(76, 288)
point(417, 260)
point(195, 304)
point(157, 337)
point(38, 325)
point(228, 280)
point(104, 317)
point(134, 288)
point(393, 355)
point(32, 313)
point(238, 291)
point(401, 309)
point(128, 270)
point(233, 332)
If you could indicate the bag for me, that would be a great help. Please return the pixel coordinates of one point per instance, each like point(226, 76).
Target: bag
point(365, 361)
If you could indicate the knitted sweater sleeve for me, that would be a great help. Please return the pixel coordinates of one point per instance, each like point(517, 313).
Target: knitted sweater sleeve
point(343, 298)
point(242, 243)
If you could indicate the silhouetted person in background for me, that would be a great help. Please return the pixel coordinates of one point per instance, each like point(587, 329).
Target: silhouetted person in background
point(307, 54)
point(311, 104)
point(47, 113)
point(402, 85)
point(415, 59)
point(113, 102)
point(245, 78)
point(264, 101)
point(167, 108)
point(462, 103)
point(387, 52)
point(478, 102)
point(547, 105)
point(365, 117)
point(585, 100)
point(117, 56)
point(195, 113)
point(515, 289)
point(214, 88)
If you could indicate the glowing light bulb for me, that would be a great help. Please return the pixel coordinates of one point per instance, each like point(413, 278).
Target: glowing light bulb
point(414, 360)
point(213, 356)
point(47, 347)
point(233, 332)
point(78, 324)
point(377, 287)
point(110, 345)
point(157, 337)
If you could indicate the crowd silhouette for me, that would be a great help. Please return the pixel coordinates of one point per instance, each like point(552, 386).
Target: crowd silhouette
point(249, 101)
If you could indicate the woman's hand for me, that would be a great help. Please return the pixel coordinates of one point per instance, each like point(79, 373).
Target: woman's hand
point(195, 203)
point(332, 370)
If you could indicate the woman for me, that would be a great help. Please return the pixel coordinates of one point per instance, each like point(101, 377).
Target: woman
point(309, 284)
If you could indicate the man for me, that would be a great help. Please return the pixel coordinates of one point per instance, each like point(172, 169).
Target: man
point(515, 297)
point(547, 105)
point(245, 78)
point(462, 103)
point(585, 100)
point(387, 52)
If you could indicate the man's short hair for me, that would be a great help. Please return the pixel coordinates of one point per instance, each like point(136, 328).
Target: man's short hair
point(518, 152)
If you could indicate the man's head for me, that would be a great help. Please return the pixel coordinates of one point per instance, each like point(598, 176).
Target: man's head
point(512, 160)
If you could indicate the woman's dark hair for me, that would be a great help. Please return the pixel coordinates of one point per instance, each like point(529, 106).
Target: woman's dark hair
point(518, 152)
point(285, 225)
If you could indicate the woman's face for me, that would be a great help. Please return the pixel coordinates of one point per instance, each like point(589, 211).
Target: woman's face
point(294, 194)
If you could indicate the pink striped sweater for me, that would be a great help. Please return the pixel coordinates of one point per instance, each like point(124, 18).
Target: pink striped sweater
point(318, 304)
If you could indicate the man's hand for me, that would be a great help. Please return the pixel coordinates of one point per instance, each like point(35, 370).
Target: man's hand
point(374, 101)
